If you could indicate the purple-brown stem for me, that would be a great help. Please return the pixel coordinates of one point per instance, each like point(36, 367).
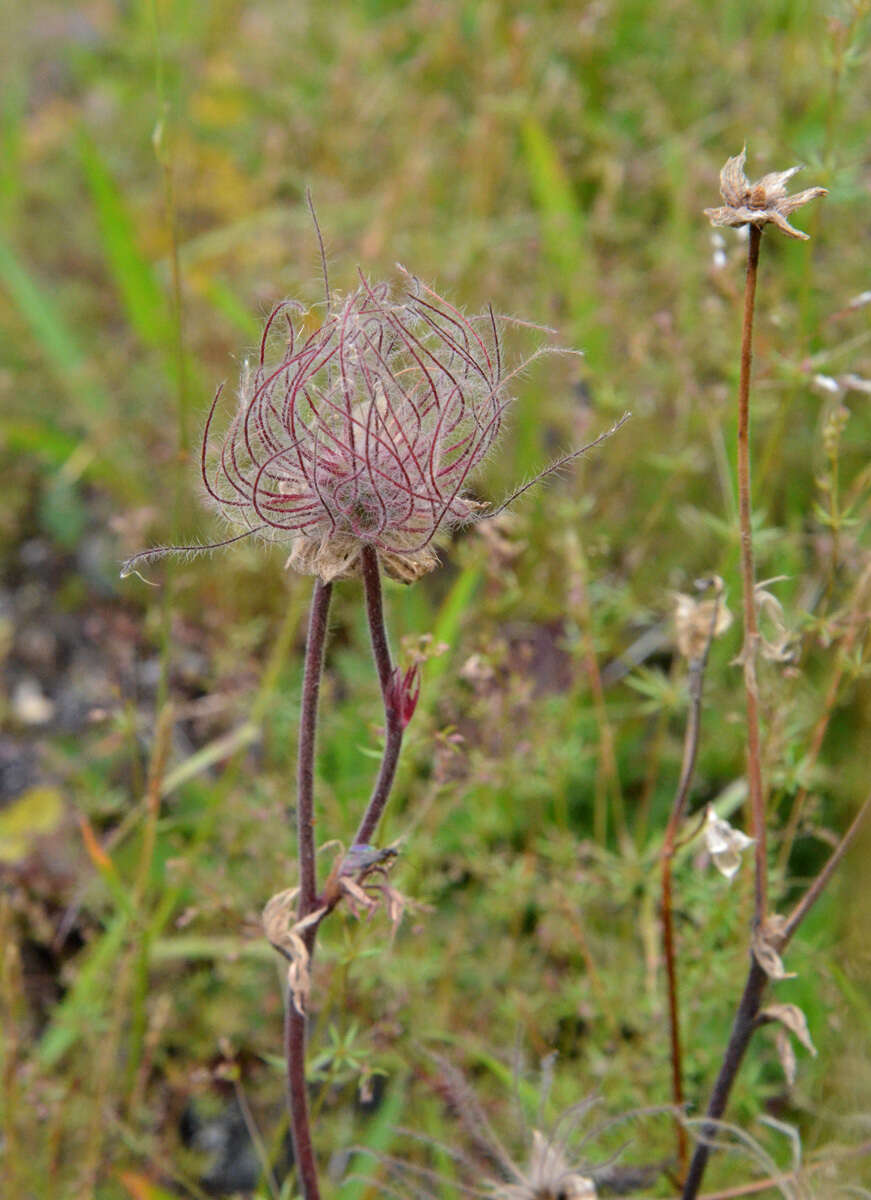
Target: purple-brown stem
point(294, 1021)
point(739, 1039)
point(688, 766)
point(751, 1002)
point(305, 771)
point(751, 628)
point(393, 726)
point(398, 706)
point(748, 1008)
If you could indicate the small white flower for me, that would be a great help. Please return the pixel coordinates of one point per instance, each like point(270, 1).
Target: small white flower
point(724, 843)
point(827, 384)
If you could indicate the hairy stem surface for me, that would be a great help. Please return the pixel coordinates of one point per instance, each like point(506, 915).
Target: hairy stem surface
point(393, 729)
point(294, 1021)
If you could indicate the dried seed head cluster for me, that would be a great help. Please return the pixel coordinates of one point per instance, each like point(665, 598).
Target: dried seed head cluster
point(547, 1177)
point(364, 431)
point(762, 203)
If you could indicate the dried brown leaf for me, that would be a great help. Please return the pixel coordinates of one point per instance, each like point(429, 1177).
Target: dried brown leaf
point(792, 1018)
point(766, 945)
point(786, 1054)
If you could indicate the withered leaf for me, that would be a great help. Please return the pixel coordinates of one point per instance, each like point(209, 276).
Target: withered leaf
point(786, 1054)
point(793, 1019)
point(766, 954)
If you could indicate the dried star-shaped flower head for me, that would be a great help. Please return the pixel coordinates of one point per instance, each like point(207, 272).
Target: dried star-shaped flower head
point(362, 428)
point(762, 203)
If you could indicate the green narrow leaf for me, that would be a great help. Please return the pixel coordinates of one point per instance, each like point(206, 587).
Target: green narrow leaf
point(49, 329)
point(564, 233)
point(379, 1135)
point(83, 1006)
point(454, 608)
point(146, 305)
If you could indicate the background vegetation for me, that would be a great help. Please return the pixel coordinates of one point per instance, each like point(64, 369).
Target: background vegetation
point(554, 160)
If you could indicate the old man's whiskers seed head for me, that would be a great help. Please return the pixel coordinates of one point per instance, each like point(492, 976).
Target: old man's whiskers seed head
point(364, 431)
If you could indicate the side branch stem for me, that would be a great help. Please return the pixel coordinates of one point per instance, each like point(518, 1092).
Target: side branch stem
point(393, 729)
point(751, 628)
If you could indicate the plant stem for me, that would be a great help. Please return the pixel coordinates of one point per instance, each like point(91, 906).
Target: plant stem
point(751, 1002)
point(815, 890)
point(393, 729)
point(748, 1008)
point(751, 629)
point(294, 1021)
point(854, 627)
point(311, 684)
point(688, 766)
point(739, 1039)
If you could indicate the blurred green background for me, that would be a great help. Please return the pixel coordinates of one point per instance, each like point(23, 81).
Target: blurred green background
point(553, 160)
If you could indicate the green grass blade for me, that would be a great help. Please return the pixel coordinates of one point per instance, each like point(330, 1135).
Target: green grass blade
point(82, 1007)
point(145, 304)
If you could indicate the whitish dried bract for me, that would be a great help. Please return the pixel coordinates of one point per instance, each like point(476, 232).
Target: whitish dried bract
point(725, 844)
point(762, 203)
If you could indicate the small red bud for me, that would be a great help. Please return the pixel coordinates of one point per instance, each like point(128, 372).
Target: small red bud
point(403, 693)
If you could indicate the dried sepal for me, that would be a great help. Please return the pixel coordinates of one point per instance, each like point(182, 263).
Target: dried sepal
point(724, 843)
point(786, 1055)
point(781, 646)
point(766, 944)
point(285, 935)
point(339, 557)
point(764, 202)
point(697, 622)
point(792, 1018)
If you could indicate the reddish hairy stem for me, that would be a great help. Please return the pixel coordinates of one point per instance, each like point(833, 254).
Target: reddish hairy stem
point(311, 684)
point(297, 1101)
point(294, 1021)
point(393, 729)
point(751, 629)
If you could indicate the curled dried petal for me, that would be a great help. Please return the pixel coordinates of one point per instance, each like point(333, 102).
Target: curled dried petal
point(764, 202)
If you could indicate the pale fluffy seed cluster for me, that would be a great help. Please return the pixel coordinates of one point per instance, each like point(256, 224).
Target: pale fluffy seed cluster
point(762, 203)
point(361, 430)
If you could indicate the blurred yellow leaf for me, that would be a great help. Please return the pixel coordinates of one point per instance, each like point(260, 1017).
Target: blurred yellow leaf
point(36, 812)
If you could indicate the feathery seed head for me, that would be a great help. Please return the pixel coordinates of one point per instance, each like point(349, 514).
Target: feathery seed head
point(362, 432)
point(762, 203)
